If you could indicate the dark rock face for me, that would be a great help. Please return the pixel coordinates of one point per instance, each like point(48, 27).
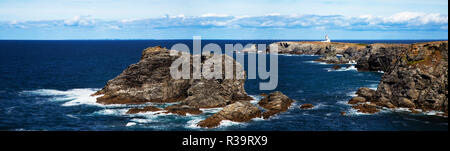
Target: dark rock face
point(417, 78)
point(275, 103)
point(241, 111)
point(149, 80)
point(378, 57)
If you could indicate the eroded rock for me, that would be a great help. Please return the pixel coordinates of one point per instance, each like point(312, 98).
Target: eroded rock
point(307, 106)
point(143, 110)
point(150, 80)
point(241, 111)
point(275, 103)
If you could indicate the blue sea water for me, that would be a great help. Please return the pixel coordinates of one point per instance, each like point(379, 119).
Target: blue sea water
point(46, 85)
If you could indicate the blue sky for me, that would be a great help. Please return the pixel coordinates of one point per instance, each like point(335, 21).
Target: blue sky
point(223, 19)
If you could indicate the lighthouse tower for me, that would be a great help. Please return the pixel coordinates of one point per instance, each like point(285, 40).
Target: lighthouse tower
point(327, 39)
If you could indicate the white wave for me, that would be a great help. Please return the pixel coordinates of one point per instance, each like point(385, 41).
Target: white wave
point(115, 112)
point(355, 112)
point(318, 106)
point(73, 96)
point(316, 62)
point(343, 103)
point(288, 55)
point(352, 94)
point(373, 86)
point(130, 124)
point(211, 110)
point(192, 124)
point(258, 119)
point(256, 99)
point(351, 68)
point(140, 120)
point(352, 62)
point(227, 123)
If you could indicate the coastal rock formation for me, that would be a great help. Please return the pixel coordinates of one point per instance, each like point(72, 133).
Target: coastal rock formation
point(415, 74)
point(275, 103)
point(241, 111)
point(328, 51)
point(415, 77)
point(149, 80)
point(378, 57)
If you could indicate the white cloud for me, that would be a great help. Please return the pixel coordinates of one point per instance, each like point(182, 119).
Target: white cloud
point(79, 21)
point(214, 15)
point(399, 21)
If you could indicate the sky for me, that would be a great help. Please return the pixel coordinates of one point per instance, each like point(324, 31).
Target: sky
point(223, 19)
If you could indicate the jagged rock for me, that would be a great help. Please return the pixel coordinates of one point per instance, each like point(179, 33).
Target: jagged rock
point(366, 108)
point(356, 100)
point(378, 57)
point(241, 111)
point(417, 78)
point(183, 109)
point(366, 93)
point(149, 80)
point(275, 103)
point(143, 110)
point(318, 48)
point(306, 106)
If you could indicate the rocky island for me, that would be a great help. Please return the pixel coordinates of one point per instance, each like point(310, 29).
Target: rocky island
point(149, 80)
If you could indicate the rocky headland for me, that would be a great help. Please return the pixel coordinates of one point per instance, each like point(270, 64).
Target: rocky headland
point(415, 75)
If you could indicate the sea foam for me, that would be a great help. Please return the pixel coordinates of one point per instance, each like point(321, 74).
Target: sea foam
point(72, 97)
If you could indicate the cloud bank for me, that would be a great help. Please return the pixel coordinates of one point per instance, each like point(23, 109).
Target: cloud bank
point(404, 21)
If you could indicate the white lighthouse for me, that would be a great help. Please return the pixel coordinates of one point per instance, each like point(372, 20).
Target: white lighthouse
point(326, 39)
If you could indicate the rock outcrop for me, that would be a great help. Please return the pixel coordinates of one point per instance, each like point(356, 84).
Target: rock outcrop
point(275, 103)
point(149, 80)
point(329, 51)
point(415, 74)
point(241, 111)
point(415, 77)
point(143, 110)
point(306, 106)
point(183, 109)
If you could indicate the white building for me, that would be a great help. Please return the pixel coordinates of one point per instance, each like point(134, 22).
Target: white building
point(327, 39)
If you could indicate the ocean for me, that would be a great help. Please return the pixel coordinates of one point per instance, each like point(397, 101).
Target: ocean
point(46, 85)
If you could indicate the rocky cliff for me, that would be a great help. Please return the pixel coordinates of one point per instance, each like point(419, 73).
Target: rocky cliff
point(415, 74)
point(417, 78)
